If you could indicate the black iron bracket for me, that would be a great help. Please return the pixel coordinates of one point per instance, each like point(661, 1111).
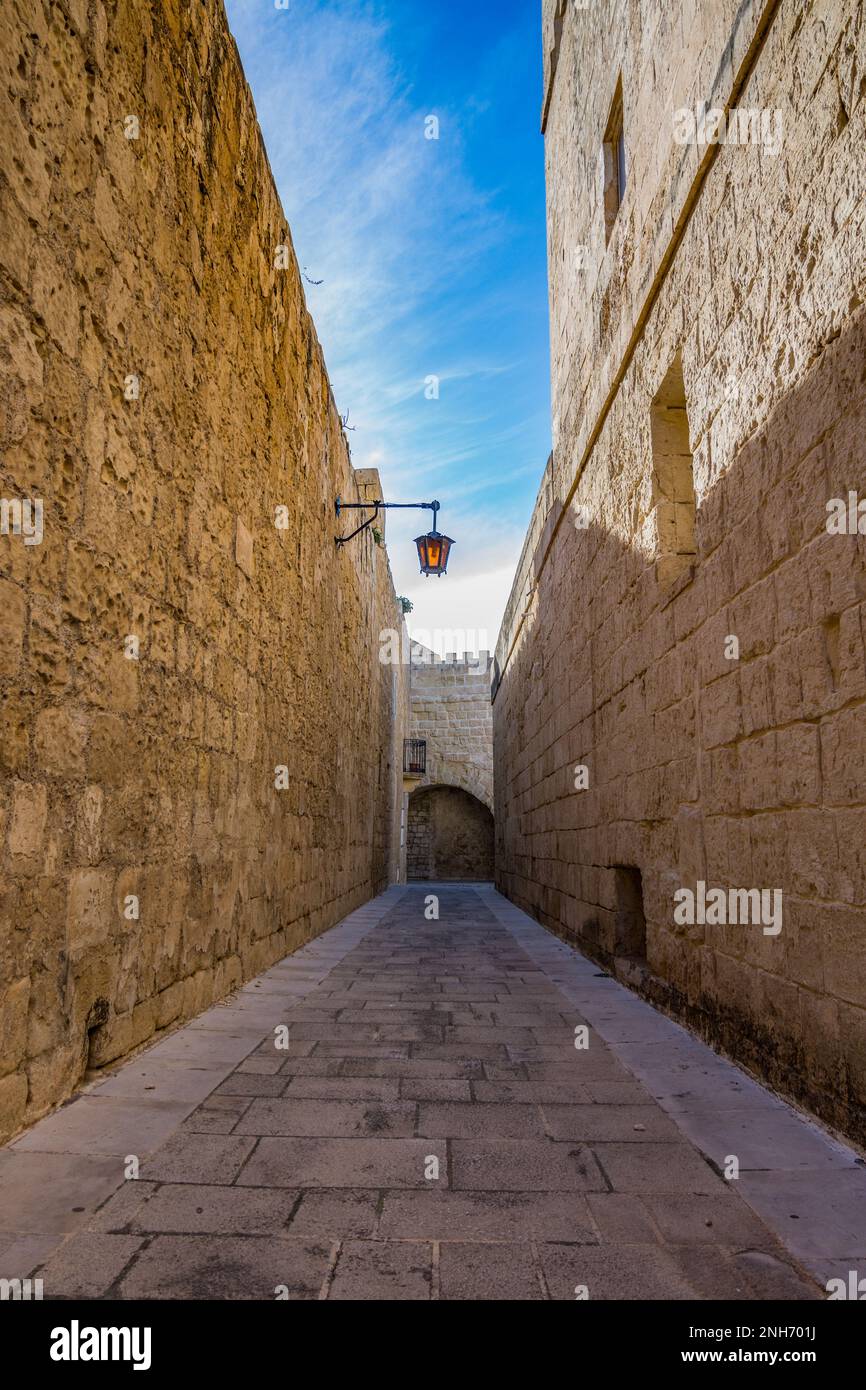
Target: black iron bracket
point(341, 506)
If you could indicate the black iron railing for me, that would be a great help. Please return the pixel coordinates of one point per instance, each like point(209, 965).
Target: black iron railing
point(415, 756)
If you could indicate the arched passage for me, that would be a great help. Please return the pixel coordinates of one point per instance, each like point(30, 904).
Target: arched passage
point(450, 835)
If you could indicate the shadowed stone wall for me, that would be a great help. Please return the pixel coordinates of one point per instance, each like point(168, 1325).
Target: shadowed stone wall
point(200, 751)
point(709, 397)
point(450, 835)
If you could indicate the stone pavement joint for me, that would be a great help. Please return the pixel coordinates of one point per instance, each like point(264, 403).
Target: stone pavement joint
point(431, 1132)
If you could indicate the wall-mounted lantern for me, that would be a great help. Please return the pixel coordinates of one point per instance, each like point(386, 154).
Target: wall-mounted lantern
point(433, 549)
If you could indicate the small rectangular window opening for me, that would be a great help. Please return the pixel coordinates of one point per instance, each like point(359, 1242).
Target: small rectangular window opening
point(615, 171)
point(673, 484)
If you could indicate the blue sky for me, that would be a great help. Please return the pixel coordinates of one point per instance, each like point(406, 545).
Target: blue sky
point(431, 255)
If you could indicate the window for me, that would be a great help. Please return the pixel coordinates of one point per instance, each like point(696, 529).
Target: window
point(673, 484)
point(614, 163)
point(414, 757)
point(630, 919)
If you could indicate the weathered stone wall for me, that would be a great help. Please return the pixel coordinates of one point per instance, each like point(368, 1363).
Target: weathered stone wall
point(449, 809)
point(449, 707)
point(450, 836)
point(148, 785)
point(419, 836)
point(747, 267)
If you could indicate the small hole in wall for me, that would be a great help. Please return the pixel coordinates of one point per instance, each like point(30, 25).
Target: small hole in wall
point(832, 645)
point(96, 1020)
point(630, 918)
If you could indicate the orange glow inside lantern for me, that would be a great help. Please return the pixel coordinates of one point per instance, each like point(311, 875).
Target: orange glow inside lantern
point(433, 551)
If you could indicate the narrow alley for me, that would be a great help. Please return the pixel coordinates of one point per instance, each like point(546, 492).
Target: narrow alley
point(432, 673)
point(460, 1108)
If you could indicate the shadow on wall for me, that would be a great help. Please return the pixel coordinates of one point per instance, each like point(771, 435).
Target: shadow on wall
point(739, 766)
point(450, 836)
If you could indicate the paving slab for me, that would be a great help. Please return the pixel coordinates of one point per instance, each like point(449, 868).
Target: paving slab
point(336, 1215)
point(513, 1165)
point(489, 1216)
point(819, 1223)
point(227, 1267)
point(48, 1193)
point(333, 1162)
point(492, 1273)
point(717, 1219)
point(217, 1115)
point(197, 1158)
point(21, 1256)
point(433, 1088)
point(787, 1145)
point(106, 1125)
point(462, 1121)
point(163, 1082)
point(87, 1267)
point(531, 1092)
point(345, 1088)
point(627, 1272)
point(328, 1118)
point(597, 1123)
point(214, 1209)
point(249, 1084)
point(387, 1270)
point(621, 1218)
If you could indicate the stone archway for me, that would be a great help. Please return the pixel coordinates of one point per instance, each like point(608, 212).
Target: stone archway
point(450, 835)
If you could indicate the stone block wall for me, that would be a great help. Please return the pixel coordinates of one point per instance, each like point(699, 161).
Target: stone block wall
point(450, 836)
point(449, 707)
point(419, 837)
point(200, 751)
point(637, 750)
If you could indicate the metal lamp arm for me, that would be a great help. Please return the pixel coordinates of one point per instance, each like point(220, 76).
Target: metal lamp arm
point(377, 507)
point(341, 540)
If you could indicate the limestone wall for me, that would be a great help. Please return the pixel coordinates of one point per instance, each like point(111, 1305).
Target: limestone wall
point(450, 836)
point(167, 646)
point(747, 267)
point(449, 704)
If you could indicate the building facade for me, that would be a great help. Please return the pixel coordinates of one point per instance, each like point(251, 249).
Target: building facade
point(680, 682)
point(449, 812)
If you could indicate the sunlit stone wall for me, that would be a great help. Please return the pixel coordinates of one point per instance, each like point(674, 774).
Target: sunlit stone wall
point(681, 717)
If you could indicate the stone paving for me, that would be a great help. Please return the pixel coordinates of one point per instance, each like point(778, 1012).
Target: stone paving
point(431, 1131)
